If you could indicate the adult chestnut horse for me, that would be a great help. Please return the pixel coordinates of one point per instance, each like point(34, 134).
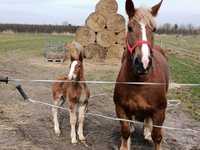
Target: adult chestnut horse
point(142, 63)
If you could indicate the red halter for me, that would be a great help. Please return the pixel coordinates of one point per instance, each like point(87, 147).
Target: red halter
point(136, 44)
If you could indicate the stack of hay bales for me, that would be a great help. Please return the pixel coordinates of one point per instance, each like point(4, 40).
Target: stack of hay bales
point(104, 31)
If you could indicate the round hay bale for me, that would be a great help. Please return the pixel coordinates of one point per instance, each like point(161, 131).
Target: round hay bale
point(120, 37)
point(115, 51)
point(106, 38)
point(116, 23)
point(106, 7)
point(85, 36)
point(96, 22)
point(95, 51)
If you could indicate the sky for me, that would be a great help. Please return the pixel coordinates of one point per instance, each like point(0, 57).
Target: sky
point(76, 11)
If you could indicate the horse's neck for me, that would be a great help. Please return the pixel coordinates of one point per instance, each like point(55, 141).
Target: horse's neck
point(81, 77)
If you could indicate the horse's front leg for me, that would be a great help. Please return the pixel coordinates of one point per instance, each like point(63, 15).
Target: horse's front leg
point(125, 129)
point(158, 119)
point(81, 117)
point(73, 120)
point(148, 127)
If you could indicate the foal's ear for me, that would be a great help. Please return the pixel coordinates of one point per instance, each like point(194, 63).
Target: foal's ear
point(155, 9)
point(72, 58)
point(81, 56)
point(130, 9)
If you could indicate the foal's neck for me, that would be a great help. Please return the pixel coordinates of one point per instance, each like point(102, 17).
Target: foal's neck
point(80, 77)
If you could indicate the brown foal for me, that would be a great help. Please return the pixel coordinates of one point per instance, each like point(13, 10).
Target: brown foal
point(76, 94)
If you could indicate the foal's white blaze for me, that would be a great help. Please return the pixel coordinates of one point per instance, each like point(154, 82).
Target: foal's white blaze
point(145, 48)
point(71, 74)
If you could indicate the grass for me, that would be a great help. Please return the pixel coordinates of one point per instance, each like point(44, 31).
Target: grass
point(184, 69)
point(29, 44)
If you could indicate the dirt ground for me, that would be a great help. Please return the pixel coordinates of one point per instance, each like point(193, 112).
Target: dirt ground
point(27, 126)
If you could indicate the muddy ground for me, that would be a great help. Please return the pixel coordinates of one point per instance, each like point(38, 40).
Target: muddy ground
point(27, 126)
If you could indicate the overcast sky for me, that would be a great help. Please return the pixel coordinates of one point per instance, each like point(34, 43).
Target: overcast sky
point(76, 11)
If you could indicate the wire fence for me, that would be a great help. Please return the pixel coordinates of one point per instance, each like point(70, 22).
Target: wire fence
point(115, 118)
point(106, 82)
point(25, 96)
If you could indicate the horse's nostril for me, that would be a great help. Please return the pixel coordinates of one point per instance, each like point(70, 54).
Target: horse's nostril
point(137, 61)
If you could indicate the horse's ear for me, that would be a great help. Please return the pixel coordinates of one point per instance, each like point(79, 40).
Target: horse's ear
point(81, 56)
point(155, 9)
point(130, 9)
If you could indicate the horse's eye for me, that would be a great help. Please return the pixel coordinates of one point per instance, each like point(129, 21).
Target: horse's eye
point(130, 29)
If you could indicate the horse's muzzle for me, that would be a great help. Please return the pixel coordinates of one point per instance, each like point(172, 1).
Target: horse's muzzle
point(138, 67)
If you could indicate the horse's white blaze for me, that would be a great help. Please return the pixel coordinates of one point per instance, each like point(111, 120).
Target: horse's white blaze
point(71, 74)
point(145, 48)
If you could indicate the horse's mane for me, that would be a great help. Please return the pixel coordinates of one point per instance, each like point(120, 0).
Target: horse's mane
point(161, 50)
point(144, 14)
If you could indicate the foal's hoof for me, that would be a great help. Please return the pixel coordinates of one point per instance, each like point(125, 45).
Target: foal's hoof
point(82, 138)
point(57, 133)
point(148, 138)
point(74, 142)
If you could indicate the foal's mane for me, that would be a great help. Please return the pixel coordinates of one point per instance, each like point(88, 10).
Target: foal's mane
point(144, 15)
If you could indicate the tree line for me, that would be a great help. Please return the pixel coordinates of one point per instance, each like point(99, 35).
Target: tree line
point(32, 28)
point(168, 28)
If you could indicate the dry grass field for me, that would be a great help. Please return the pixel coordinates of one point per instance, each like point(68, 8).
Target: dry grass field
point(27, 126)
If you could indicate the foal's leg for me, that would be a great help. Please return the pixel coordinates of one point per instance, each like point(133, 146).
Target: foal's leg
point(158, 119)
point(148, 127)
point(125, 129)
point(55, 117)
point(73, 120)
point(81, 117)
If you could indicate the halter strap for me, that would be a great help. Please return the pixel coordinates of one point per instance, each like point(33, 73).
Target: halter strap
point(137, 44)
